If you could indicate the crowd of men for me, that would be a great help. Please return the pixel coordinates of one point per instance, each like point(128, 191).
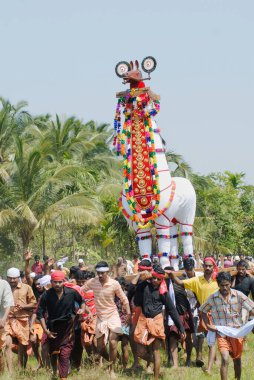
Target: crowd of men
point(57, 312)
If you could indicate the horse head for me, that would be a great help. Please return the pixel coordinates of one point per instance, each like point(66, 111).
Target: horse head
point(133, 75)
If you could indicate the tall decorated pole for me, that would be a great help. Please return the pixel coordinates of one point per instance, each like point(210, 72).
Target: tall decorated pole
point(150, 197)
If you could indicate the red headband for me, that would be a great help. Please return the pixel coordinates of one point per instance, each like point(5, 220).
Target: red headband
point(158, 275)
point(210, 259)
point(163, 286)
point(215, 268)
point(57, 275)
point(141, 267)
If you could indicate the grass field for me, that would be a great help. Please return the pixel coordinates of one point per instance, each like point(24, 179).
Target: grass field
point(182, 373)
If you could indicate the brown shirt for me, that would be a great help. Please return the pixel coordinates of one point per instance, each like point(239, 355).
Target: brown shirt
point(23, 295)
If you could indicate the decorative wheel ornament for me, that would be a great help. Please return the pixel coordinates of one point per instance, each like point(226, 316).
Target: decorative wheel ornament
point(149, 64)
point(122, 68)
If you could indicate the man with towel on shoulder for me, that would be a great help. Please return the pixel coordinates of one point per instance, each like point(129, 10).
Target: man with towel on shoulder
point(150, 330)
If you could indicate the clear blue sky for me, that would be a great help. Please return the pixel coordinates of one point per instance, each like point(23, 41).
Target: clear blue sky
point(60, 55)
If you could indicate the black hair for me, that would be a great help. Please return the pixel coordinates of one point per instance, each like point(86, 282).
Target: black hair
point(135, 256)
point(45, 258)
point(22, 274)
point(101, 264)
point(169, 267)
point(37, 277)
point(79, 275)
point(242, 263)
point(145, 263)
point(73, 270)
point(88, 274)
point(223, 276)
point(37, 257)
point(188, 263)
point(121, 281)
point(158, 269)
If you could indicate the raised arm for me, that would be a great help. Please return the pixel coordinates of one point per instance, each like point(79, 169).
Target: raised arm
point(27, 257)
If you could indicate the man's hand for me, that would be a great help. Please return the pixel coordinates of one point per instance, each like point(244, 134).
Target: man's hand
point(27, 255)
point(211, 327)
point(31, 330)
point(51, 334)
point(18, 307)
point(183, 337)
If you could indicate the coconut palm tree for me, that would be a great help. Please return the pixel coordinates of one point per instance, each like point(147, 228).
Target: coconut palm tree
point(37, 196)
point(13, 119)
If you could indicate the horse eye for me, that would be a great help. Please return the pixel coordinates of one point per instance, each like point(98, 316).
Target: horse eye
point(149, 64)
point(122, 68)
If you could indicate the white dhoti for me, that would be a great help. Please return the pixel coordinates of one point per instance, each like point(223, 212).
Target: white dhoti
point(106, 324)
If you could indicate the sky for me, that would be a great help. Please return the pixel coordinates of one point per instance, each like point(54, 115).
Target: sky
point(60, 56)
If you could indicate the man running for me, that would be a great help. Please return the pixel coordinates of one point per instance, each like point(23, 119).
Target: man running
point(149, 332)
point(108, 324)
point(226, 310)
point(6, 302)
point(59, 304)
point(17, 327)
point(203, 287)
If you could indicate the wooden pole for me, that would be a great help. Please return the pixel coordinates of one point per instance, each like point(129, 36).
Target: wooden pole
point(137, 92)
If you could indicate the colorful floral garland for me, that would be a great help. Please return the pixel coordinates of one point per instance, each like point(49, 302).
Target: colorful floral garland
point(122, 141)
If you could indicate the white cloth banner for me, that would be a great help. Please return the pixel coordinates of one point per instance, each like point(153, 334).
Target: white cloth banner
point(232, 332)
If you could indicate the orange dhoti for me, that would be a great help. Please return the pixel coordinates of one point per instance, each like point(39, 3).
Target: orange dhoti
point(233, 345)
point(19, 329)
point(149, 329)
point(88, 331)
point(38, 330)
point(135, 315)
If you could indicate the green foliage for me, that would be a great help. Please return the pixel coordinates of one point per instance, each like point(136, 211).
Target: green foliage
point(60, 182)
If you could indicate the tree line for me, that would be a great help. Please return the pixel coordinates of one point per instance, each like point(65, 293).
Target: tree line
point(60, 181)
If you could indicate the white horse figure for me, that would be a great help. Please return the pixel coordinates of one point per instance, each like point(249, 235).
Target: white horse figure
point(150, 196)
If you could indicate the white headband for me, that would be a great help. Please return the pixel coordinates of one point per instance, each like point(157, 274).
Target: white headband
point(102, 269)
point(45, 280)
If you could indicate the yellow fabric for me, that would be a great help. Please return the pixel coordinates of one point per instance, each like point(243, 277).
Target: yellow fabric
point(201, 287)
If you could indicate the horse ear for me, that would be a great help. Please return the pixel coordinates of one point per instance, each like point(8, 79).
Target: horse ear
point(137, 64)
point(131, 63)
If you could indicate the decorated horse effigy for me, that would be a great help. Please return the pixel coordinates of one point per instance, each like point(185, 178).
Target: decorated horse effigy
point(150, 198)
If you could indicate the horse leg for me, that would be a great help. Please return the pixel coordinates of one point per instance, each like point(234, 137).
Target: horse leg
point(162, 226)
point(174, 257)
point(144, 239)
point(186, 233)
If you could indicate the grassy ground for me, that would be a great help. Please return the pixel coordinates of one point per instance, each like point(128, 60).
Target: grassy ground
point(192, 373)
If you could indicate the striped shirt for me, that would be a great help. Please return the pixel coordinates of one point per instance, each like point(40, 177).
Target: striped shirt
point(227, 312)
point(105, 296)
